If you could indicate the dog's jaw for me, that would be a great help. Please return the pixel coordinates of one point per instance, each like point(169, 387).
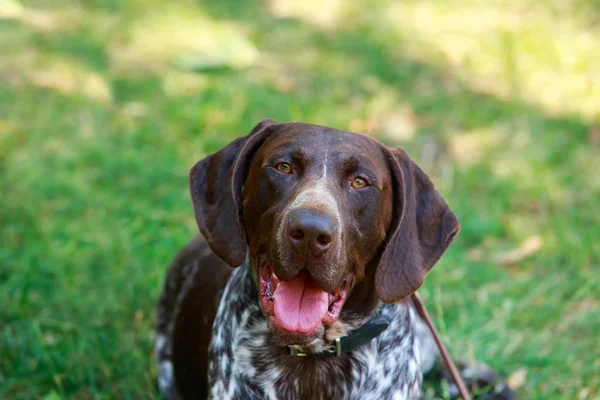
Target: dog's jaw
point(291, 327)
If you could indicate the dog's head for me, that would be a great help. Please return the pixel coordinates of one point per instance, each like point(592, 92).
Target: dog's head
point(324, 216)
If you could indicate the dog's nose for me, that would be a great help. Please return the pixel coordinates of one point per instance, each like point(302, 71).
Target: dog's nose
point(311, 231)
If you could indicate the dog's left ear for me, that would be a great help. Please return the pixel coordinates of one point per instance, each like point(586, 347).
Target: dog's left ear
point(422, 229)
point(216, 188)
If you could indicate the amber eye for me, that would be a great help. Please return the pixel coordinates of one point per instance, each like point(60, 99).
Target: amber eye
point(359, 183)
point(284, 168)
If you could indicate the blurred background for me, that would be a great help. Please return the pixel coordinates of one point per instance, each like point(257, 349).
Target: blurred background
point(106, 104)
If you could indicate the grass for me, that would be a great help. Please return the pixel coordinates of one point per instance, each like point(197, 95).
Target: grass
point(104, 106)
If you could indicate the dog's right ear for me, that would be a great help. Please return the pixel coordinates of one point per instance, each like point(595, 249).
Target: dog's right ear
point(216, 188)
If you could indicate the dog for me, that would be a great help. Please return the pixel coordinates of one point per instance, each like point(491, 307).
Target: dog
point(328, 233)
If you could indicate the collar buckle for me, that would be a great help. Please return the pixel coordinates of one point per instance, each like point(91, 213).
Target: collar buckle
point(297, 350)
point(337, 345)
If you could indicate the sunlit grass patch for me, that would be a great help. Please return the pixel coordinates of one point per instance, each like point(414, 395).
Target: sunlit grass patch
point(105, 105)
point(69, 78)
point(174, 35)
point(321, 14)
point(509, 50)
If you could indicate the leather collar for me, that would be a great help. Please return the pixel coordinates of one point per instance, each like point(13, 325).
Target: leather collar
point(363, 335)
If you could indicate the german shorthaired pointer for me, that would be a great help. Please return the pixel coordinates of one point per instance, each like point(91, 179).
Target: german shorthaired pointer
point(331, 232)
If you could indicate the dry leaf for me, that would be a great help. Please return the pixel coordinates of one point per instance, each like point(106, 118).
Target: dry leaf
point(475, 254)
point(517, 378)
point(529, 247)
point(400, 125)
point(584, 393)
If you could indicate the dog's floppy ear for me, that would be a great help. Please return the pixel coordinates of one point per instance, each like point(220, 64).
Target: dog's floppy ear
point(216, 188)
point(422, 229)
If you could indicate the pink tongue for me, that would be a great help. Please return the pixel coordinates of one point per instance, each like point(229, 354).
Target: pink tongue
point(300, 304)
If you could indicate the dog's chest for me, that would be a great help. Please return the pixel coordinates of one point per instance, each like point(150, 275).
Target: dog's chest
point(244, 364)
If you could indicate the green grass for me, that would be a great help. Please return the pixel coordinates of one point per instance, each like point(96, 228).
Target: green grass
point(104, 106)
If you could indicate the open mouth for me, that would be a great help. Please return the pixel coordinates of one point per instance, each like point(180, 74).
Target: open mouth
point(299, 305)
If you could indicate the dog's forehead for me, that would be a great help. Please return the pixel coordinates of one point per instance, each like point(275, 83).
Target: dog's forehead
point(318, 142)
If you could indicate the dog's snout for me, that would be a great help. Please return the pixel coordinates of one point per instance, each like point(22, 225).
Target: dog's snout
point(311, 231)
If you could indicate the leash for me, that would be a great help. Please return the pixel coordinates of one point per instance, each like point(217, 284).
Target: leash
point(372, 329)
point(458, 380)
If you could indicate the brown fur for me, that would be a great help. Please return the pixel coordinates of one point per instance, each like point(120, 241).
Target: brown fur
point(394, 231)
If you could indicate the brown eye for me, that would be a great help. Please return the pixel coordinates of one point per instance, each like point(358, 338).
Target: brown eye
point(284, 168)
point(359, 183)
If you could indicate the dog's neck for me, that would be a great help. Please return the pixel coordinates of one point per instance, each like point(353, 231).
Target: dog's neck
point(242, 352)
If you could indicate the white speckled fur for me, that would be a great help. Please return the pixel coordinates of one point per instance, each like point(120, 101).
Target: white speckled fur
point(391, 366)
point(240, 366)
